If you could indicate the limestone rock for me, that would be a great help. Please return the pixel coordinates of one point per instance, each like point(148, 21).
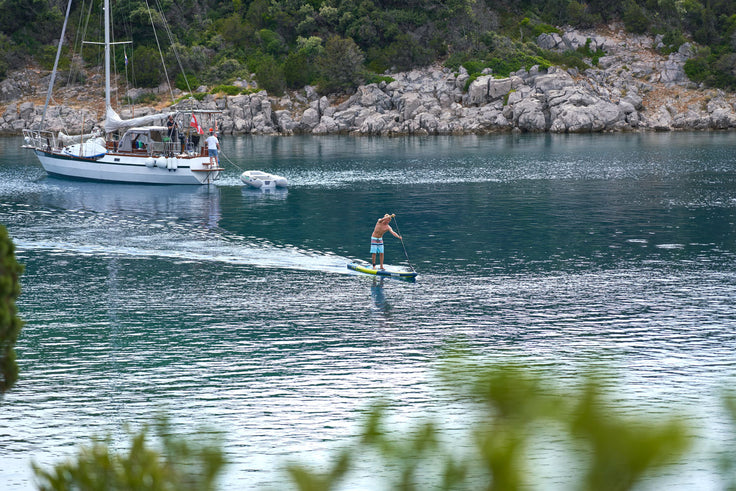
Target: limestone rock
point(310, 118)
point(528, 115)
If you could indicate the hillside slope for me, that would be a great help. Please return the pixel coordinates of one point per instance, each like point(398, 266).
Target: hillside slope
point(630, 86)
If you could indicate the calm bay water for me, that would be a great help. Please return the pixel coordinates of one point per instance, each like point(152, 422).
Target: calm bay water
point(232, 309)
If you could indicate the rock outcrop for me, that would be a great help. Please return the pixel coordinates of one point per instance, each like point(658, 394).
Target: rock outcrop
point(632, 88)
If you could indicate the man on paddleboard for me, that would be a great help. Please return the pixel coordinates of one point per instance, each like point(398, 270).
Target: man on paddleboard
point(382, 226)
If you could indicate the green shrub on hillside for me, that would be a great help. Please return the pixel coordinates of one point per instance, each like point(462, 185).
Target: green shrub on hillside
point(530, 29)
point(12, 56)
point(503, 57)
point(300, 65)
point(504, 67)
point(545, 29)
point(567, 59)
point(374, 78)
point(672, 40)
point(406, 52)
point(578, 15)
point(227, 90)
point(186, 83)
point(472, 78)
point(589, 53)
point(269, 74)
point(31, 24)
point(634, 18)
point(697, 68)
point(47, 55)
point(715, 69)
point(145, 67)
point(272, 42)
point(236, 32)
point(195, 59)
point(226, 69)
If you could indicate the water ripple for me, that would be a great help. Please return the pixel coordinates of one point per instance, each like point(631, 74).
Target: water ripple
point(233, 309)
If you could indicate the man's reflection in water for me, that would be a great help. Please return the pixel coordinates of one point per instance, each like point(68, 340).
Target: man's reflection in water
point(378, 296)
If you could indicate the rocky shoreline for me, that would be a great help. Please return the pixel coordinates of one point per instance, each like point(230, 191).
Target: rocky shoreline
point(632, 88)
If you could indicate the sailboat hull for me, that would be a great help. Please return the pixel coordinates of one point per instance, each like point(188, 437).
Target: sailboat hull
point(122, 168)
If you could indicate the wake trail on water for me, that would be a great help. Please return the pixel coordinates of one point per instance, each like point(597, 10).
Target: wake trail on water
point(256, 256)
point(90, 234)
point(260, 257)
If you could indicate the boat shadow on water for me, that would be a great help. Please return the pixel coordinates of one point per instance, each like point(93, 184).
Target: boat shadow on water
point(258, 194)
point(154, 201)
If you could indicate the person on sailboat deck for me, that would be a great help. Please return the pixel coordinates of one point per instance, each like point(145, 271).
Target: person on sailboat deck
point(213, 145)
point(171, 127)
point(182, 137)
point(382, 226)
point(137, 144)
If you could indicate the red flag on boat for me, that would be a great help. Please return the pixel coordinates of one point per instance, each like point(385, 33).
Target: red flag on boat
point(195, 124)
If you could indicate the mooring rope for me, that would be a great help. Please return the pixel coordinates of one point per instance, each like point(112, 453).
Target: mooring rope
point(230, 161)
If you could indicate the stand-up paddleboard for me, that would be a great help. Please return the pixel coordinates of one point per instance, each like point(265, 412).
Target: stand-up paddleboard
point(389, 271)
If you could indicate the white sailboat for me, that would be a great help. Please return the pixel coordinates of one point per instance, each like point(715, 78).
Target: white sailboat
point(145, 153)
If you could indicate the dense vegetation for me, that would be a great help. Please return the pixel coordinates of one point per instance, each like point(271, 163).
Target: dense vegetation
point(337, 44)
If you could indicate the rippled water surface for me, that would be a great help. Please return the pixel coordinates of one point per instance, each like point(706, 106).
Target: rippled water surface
point(232, 309)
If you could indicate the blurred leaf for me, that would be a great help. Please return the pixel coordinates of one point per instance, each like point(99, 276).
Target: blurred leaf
point(179, 465)
point(622, 450)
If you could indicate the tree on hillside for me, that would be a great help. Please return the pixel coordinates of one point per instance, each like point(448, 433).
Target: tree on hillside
point(10, 324)
point(341, 64)
point(300, 66)
point(145, 67)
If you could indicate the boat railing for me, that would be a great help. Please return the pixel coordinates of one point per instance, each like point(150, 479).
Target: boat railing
point(164, 148)
point(48, 141)
point(40, 139)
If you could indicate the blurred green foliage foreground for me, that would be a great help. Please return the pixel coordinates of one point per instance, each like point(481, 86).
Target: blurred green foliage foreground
point(10, 323)
point(174, 464)
point(501, 417)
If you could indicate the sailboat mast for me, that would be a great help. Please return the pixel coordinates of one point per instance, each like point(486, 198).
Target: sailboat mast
point(56, 64)
point(107, 55)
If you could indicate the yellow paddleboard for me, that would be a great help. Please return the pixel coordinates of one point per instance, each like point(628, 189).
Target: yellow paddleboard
point(393, 273)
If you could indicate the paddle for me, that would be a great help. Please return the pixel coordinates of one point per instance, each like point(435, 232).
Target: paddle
point(393, 216)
